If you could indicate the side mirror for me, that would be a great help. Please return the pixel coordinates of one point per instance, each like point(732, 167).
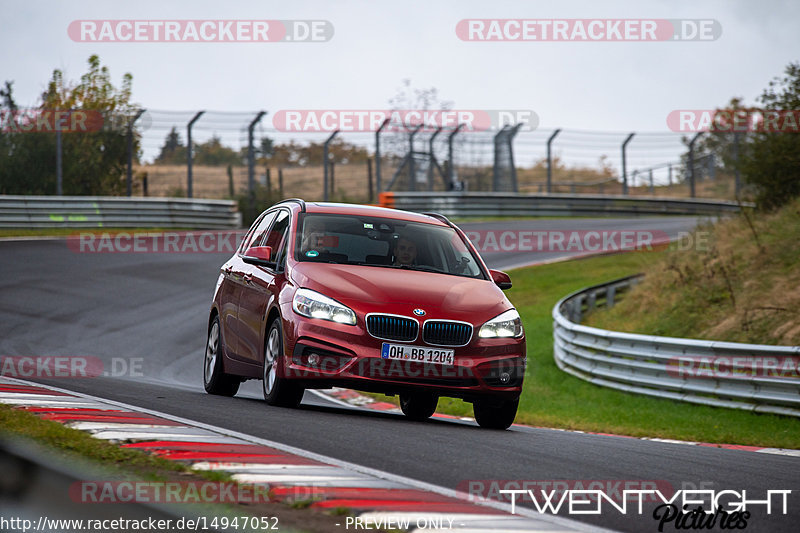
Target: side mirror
point(501, 279)
point(258, 255)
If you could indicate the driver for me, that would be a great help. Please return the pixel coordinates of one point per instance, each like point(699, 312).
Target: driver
point(405, 252)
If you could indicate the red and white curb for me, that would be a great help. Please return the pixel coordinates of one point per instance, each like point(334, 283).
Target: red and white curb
point(352, 397)
point(374, 496)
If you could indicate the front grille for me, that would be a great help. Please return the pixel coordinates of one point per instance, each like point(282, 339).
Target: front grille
point(444, 333)
point(392, 328)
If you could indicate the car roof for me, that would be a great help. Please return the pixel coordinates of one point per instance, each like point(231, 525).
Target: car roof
point(333, 208)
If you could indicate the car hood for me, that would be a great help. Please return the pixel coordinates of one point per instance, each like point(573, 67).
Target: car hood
point(368, 289)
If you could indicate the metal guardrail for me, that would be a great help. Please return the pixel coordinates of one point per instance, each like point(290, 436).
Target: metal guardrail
point(466, 204)
point(113, 212)
point(722, 374)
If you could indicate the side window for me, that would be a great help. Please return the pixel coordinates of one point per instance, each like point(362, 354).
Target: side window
point(258, 235)
point(276, 237)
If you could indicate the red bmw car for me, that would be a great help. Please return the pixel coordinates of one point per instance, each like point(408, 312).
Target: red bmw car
point(322, 295)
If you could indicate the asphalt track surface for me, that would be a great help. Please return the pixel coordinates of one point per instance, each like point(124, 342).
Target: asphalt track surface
point(149, 312)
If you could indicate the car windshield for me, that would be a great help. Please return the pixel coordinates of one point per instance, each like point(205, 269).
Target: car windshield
point(384, 242)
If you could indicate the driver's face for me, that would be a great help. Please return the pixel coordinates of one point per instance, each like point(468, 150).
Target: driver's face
point(405, 252)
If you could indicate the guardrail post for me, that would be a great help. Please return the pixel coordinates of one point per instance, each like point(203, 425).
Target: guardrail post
point(251, 163)
point(550, 161)
point(691, 164)
point(325, 164)
point(378, 156)
point(624, 169)
point(130, 151)
point(451, 166)
point(189, 153)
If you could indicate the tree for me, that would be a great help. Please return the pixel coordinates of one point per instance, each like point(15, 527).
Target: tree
point(771, 161)
point(173, 152)
point(214, 153)
point(93, 161)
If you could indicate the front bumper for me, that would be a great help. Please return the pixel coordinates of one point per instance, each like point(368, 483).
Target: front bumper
point(325, 354)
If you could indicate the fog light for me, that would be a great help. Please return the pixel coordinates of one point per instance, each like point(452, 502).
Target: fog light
point(313, 359)
point(505, 377)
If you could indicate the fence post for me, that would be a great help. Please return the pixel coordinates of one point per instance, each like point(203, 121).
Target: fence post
point(624, 162)
point(412, 167)
point(280, 182)
point(369, 180)
point(189, 153)
point(737, 171)
point(511, 135)
point(691, 164)
point(378, 155)
point(130, 151)
point(325, 165)
point(59, 172)
point(550, 161)
point(251, 163)
point(451, 164)
point(496, 168)
point(431, 158)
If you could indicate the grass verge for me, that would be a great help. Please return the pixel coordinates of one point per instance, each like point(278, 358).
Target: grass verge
point(70, 446)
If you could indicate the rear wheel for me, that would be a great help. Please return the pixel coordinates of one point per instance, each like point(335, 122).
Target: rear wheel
point(495, 414)
point(418, 405)
point(277, 390)
point(215, 380)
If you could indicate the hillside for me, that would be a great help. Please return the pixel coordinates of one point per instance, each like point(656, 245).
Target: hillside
point(742, 286)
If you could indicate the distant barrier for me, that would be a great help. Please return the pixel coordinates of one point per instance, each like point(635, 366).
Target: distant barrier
point(471, 204)
point(754, 377)
point(112, 212)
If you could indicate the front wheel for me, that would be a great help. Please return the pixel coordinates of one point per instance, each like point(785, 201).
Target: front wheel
point(277, 390)
point(495, 414)
point(215, 380)
point(419, 405)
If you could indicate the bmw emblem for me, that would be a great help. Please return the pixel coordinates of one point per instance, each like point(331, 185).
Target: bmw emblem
point(419, 312)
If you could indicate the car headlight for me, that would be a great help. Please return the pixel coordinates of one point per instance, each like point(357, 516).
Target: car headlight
point(315, 305)
point(507, 324)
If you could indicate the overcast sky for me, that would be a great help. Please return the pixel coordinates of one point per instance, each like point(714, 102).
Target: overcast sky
point(595, 86)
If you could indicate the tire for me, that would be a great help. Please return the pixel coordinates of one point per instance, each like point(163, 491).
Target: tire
point(215, 380)
point(419, 405)
point(495, 414)
point(277, 390)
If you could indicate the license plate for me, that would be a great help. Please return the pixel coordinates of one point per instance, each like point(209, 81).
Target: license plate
point(404, 352)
